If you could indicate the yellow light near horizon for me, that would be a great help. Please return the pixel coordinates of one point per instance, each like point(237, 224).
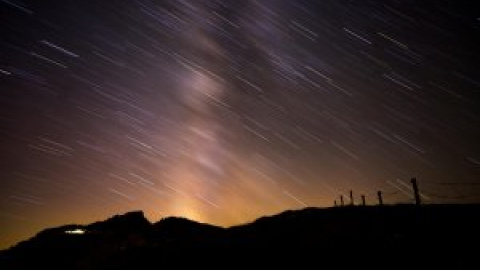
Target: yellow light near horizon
point(76, 231)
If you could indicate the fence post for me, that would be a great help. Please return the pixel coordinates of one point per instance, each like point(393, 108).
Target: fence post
point(351, 198)
point(380, 200)
point(416, 193)
point(334, 202)
point(363, 200)
point(341, 200)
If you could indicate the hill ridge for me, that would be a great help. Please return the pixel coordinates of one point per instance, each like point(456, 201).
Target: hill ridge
point(387, 231)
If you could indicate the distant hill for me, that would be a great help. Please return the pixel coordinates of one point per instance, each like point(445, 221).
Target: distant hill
point(379, 237)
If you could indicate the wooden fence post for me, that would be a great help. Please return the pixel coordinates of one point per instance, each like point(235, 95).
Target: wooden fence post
point(416, 193)
point(380, 200)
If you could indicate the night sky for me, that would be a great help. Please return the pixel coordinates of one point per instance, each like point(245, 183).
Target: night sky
point(224, 111)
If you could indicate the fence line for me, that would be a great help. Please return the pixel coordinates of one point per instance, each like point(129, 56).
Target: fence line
point(418, 196)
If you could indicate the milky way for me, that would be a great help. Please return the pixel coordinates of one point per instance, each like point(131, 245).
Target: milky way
point(224, 111)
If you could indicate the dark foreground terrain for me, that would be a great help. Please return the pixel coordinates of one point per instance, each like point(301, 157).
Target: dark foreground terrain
point(388, 237)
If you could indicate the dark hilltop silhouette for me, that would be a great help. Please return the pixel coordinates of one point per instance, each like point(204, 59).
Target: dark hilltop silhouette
point(361, 237)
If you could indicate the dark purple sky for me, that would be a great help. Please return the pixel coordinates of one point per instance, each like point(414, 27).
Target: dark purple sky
point(224, 111)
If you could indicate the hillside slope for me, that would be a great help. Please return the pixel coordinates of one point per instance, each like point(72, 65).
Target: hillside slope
point(388, 237)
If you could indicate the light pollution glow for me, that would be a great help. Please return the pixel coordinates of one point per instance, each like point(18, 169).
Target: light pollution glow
point(223, 111)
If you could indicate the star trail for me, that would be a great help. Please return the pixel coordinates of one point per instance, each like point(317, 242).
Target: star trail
point(224, 111)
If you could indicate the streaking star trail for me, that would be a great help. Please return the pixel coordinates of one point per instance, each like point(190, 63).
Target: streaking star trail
point(225, 111)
